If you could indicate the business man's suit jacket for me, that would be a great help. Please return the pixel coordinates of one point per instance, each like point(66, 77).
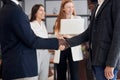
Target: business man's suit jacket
point(104, 35)
point(19, 43)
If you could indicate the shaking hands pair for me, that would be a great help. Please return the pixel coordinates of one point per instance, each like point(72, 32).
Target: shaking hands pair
point(63, 44)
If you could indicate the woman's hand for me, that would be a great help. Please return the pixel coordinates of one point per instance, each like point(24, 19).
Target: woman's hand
point(67, 36)
point(59, 36)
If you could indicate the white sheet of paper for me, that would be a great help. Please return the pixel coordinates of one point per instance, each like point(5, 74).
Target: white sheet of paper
point(77, 50)
point(72, 26)
point(57, 56)
point(76, 54)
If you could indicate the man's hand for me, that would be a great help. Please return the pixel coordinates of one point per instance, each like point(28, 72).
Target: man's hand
point(63, 44)
point(61, 47)
point(109, 72)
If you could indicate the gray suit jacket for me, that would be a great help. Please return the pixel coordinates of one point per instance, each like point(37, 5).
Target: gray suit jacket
point(103, 35)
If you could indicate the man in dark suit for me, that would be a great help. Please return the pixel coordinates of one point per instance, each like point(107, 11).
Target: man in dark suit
point(103, 35)
point(19, 43)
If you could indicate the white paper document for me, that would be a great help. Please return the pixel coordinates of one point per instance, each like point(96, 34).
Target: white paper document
point(77, 53)
point(72, 26)
point(57, 56)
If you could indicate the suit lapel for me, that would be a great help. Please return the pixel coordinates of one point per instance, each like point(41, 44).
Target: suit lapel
point(102, 7)
point(12, 3)
point(94, 11)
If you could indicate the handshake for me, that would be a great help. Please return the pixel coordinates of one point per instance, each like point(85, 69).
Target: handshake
point(63, 44)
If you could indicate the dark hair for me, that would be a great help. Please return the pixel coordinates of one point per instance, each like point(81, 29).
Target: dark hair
point(5, 1)
point(94, 1)
point(34, 11)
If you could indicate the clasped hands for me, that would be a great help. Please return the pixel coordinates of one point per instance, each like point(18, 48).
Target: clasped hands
point(63, 44)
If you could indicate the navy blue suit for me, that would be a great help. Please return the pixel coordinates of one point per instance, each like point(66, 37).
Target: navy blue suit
point(19, 43)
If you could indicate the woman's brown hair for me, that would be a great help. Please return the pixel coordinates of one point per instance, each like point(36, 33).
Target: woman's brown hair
point(34, 10)
point(61, 15)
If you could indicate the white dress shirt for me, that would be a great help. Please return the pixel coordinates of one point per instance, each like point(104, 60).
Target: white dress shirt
point(43, 55)
point(100, 2)
point(15, 1)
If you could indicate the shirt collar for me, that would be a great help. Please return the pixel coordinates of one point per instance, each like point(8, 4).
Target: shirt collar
point(100, 2)
point(15, 1)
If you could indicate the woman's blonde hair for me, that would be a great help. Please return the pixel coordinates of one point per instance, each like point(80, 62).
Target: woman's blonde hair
point(62, 15)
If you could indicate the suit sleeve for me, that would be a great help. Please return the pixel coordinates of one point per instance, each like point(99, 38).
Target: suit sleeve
point(24, 33)
point(114, 53)
point(77, 40)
